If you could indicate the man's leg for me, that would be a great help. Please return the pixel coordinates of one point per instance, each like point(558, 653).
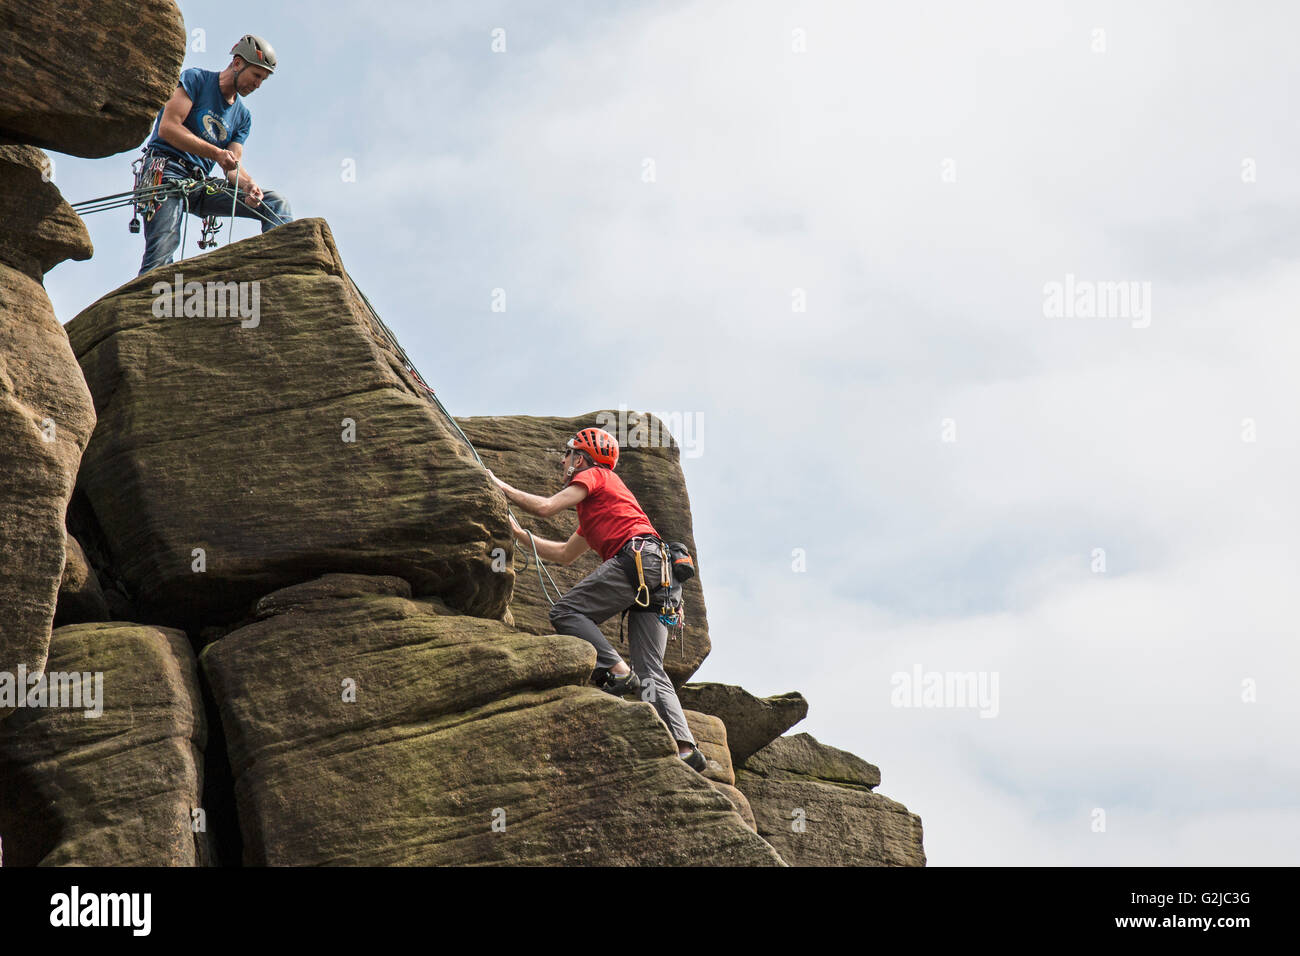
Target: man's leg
point(162, 234)
point(648, 637)
point(277, 210)
point(592, 601)
point(272, 211)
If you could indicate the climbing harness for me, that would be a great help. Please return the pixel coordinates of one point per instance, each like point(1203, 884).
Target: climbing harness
point(151, 190)
point(666, 600)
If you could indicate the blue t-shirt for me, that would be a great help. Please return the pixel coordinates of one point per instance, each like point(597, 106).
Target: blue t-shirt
point(210, 117)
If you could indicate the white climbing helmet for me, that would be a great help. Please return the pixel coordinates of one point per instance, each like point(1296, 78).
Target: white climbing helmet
point(255, 51)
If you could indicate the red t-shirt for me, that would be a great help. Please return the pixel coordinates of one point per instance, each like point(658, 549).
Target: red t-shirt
point(609, 515)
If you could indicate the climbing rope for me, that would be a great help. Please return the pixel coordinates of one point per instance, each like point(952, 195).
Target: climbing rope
point(119, 200)
point(185, 225)
point(184, 188)
point(432, 396)
point(234, 198)
point(541, 569)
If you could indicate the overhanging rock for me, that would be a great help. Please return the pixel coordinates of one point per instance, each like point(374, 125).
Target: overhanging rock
point(752, 722)
point(87, 78)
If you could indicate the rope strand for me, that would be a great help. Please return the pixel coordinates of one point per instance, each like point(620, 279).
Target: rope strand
point(234, 198)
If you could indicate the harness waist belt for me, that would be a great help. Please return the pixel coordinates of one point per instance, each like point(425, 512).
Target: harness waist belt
point(196, 172)
point(637, 537)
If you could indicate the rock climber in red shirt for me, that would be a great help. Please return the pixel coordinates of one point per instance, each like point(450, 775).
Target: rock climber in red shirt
point(610, 521)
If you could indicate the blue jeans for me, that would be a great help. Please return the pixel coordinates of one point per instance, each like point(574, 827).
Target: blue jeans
point(162, 233)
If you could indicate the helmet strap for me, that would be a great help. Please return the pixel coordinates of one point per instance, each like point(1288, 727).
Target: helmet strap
point(573, 470)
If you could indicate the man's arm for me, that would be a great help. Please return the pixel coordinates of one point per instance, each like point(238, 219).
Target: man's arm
point(536, 504)
point(557, 552)
point(172, 130)
point(251, 189)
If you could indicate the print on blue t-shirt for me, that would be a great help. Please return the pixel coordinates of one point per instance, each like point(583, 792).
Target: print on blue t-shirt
point(210, 117)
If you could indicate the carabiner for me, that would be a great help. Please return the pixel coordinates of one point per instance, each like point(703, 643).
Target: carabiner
point(640, 574)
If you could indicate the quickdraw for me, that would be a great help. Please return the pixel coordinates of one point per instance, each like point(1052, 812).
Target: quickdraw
point(211, 224)
point(208, 232)
point(640, 575)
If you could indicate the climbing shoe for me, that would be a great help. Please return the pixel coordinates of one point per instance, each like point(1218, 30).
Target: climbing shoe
point(629, 683)
point(599, 676)
point(695, 760)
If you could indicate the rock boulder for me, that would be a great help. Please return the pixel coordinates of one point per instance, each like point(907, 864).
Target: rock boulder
point(738, 800)
point(38, 229)
point(830, 820)
point(46, 415)
point(802, 755)
point(237, 456)
point(379, 730)
point(87, 78)
point(752, 722)
point(118, 789)
point(80, 598)
point(711, 737)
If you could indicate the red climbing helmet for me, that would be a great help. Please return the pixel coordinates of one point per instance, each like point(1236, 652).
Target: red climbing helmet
point(599, 444)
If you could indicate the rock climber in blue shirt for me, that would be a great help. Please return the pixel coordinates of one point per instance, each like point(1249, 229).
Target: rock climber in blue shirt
point(205, 123)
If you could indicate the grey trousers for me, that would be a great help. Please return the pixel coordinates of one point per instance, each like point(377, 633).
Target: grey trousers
point(598, 597)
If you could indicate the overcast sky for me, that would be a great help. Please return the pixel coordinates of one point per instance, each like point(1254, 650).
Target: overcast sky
point(922, 173)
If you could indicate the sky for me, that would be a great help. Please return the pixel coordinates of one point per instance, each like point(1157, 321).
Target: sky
point(827, 235)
